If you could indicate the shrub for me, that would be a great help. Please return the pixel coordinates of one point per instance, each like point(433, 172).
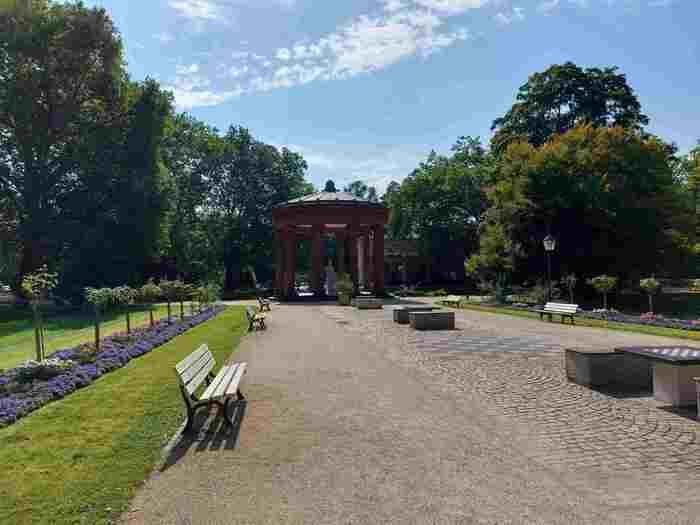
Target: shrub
point(43, 370)
point(36, 286)
point(441, 292)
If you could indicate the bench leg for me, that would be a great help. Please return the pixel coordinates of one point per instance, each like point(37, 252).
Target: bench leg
point(230, 401)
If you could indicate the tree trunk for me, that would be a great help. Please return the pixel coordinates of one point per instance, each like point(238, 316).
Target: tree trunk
point(37, 335)
point(605, 301)
point(97, 331)
point(651, 304)
point(150, 315)
point(571, 295)
point(169, 311)
point(128, 321)
point(182, 310)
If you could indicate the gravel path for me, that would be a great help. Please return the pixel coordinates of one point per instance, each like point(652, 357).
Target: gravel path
point(349, 420)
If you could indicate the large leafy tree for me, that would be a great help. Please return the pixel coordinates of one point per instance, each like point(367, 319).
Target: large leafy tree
point(191, 151)
point(250, 179)
point(607, 194)
point(564, 96)
point(440, 202)
point(60, 74)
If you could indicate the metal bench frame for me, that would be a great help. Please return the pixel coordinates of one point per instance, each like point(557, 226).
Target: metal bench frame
point(195, 370)
point(255, 320)
point(264, 304)
point(452, 300)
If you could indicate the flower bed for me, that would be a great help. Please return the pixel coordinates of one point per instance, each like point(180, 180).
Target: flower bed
point(28, 387)
point(644, 319)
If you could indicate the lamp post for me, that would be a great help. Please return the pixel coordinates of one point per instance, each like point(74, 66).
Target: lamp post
point(550, 244)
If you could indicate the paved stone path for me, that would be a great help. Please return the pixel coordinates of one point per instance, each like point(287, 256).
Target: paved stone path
point(353, 419)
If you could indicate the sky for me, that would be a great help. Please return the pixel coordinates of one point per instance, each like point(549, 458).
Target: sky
point(365, 89)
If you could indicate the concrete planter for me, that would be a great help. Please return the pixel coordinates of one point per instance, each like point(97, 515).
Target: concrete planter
point(607, 368)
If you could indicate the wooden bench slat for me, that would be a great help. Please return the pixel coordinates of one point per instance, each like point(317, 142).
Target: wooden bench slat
point(204, 360)
point(198, 379)
point(210, 391)
point(194, 356)
point(225, 381)
point(236, 381)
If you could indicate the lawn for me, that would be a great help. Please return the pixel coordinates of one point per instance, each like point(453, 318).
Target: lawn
point(61, 331)
point(595, 323)
point(80, 459)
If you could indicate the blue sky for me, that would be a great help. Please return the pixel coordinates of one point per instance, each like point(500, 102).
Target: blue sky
point(364, 89)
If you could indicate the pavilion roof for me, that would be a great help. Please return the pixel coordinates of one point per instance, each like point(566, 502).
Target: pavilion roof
point(332, 198)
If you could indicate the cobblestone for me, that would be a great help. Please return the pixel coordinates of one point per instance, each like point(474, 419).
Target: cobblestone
point(516, 374)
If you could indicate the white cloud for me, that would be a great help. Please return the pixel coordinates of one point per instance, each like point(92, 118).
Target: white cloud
point(393, 5)
point(517, 14)
point(452, 6)
point(198, 9)
point(283, 54)
point(238, 71)
point(187, 70)
point(187, 99)
point(548, 6)
point(164, 37)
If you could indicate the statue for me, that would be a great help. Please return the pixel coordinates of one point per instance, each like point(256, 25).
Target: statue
point(331, 279)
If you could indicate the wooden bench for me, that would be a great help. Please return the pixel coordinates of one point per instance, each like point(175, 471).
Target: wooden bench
point(264, 304)
point(222, 389)
point(562, 309)
point(401, 312)
point(452, 300)
point(368, 303)
point(440, 320)
point(256, 320)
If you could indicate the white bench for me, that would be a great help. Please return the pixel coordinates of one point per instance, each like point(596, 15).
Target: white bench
point(368, 303)
point(562, 309)
point(440, 320)
point(221, 389)
point(452, 300)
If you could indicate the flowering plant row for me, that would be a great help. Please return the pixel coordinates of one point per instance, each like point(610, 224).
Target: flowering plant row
point(32, 385)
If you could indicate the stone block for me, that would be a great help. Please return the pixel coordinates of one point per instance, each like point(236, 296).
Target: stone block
point(440, 320)
point(607, 368)
point(401, 312)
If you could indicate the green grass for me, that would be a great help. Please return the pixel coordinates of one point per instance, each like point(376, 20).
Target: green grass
point(80, 459)
point(62, 331)
point(594, 323)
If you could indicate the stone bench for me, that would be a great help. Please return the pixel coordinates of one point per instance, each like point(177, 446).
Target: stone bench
point(401, 312)
point(440, 320)
point(607, 368)
point(368, 303)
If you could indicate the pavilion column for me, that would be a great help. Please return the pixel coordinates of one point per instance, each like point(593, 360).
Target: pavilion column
point(353, 262)
point(290, 266)
point(279, 264)
point(378, 249)
point(340, 250)
point(366, 260)
point(316, 261)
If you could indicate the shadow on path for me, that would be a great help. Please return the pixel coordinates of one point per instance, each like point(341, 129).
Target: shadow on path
point(213, 434)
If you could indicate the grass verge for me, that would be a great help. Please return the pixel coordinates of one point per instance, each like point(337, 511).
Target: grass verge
point(64, 331)
point(80, 459)
point(594, 323)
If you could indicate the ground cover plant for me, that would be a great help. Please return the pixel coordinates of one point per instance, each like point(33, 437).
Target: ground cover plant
point(61, 330)
point(594, 322)
point(79, 460)
point(35, 383)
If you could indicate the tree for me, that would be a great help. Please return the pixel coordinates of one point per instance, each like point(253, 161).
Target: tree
point(441, 202)
point(100, 299)
point(607, 194)
point(124, 296)
point(330, 186)
point(191, 150)
point(651, 287)
point(564, 96)
point(36, 286)
point(603, 284)
point(357, 188)
point(148, 294)
point(60, 71)
point(569, 281)
point(250, 179)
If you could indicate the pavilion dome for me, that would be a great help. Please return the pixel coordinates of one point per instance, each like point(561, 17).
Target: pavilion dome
point(330, 198)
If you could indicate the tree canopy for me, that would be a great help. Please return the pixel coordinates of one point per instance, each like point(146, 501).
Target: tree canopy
point(564, 96)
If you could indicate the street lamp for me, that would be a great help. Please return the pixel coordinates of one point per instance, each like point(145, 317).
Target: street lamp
point(550, 244)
